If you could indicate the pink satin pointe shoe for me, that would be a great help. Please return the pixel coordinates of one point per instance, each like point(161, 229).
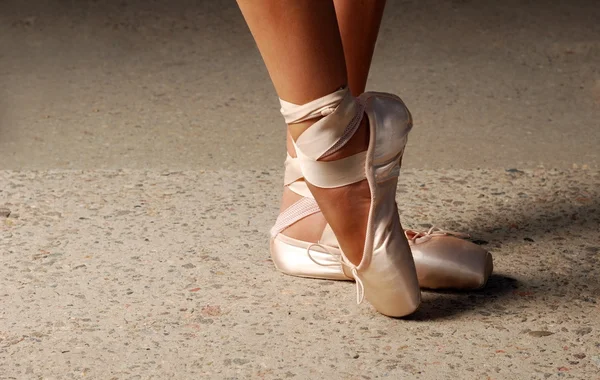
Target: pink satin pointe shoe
point(443, 259)
point(386, 275)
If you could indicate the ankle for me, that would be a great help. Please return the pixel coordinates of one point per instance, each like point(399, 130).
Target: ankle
point(359, 142)
point(296, 129)
point(289, 144)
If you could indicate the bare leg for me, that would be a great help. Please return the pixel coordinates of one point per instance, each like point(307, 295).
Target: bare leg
point(358, 23)
point(302, 49)
point(301, 46)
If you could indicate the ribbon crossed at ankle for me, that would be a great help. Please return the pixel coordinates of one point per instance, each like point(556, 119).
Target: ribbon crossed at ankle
point(360, 288)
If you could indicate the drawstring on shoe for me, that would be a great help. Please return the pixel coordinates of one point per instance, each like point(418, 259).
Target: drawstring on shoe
point(360, 287)
point(422, 237)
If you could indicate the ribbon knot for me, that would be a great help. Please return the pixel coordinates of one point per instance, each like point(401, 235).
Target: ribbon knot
point(421, 237)
point(360, 287)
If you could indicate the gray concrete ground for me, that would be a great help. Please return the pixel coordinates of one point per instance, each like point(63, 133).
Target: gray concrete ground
point(147, 274)
point(141, 150)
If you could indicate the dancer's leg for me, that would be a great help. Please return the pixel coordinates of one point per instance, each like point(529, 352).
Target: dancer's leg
point(359, 23)
point(301, 46)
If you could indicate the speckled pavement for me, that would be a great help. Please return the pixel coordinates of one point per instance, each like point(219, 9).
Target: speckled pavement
point(166, 274)
point(161, 270)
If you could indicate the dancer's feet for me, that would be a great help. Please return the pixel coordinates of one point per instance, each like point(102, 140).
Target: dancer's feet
point(342, 176)
point(442, 260)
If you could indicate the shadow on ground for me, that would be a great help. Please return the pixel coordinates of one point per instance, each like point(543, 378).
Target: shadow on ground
point(543, 221)
point(544, 238)
point(448, 304)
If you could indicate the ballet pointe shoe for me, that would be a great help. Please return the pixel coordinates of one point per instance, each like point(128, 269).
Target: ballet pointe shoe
point(444, 260)
point(386, 274)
